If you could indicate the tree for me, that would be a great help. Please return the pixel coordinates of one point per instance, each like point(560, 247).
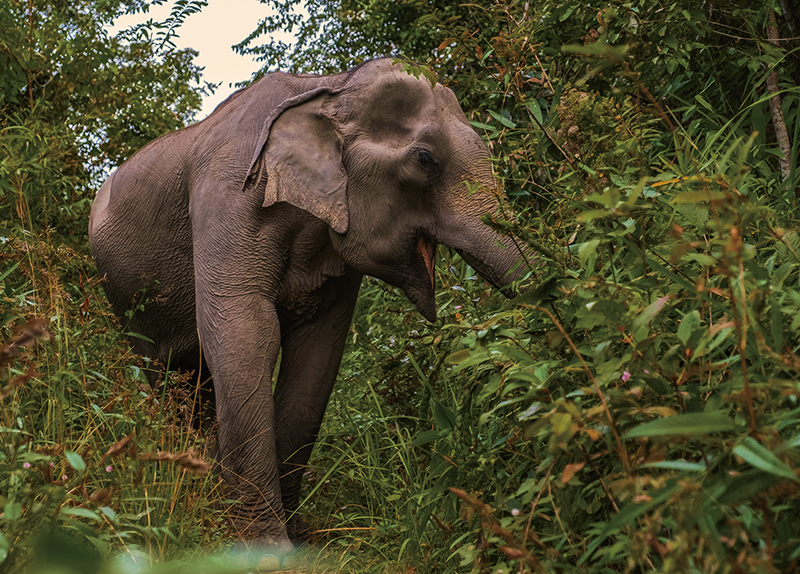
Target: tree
point(76, 101)
point(80, 428)
point(635, 410)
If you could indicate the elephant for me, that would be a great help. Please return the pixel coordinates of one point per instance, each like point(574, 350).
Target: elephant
point(249, 232)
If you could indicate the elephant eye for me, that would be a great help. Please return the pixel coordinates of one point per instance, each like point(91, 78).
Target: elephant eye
point(426, 162)
point(425, 157)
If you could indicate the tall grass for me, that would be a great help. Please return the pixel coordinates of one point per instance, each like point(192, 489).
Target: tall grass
point(636, 411)
point(92, 457)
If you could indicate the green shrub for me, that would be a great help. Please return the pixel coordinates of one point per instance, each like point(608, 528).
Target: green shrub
point(92, 457)
point(636, 410)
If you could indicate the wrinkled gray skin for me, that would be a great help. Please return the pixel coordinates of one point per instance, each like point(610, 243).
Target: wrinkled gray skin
point(250, 231)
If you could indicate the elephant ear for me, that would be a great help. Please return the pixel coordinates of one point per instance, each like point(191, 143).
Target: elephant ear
point(299, 153)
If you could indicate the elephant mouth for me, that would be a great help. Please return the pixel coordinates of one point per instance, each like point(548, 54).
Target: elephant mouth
point(421, 289)
point(427, 249)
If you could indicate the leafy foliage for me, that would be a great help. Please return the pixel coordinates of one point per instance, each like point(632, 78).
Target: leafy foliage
point(92, 457)
point(636, 410)
point(334, 35)
point(76, 102)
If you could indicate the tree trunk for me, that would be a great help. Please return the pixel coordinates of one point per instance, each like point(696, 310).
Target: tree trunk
point(778, 122)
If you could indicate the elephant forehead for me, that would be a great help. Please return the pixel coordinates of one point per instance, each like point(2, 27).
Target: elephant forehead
point(397, 105)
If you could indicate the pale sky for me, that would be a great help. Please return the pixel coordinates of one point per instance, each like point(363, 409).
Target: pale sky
point(212, 32)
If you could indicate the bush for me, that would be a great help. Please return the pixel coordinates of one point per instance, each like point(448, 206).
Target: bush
point(93, 459)
point(636, 409)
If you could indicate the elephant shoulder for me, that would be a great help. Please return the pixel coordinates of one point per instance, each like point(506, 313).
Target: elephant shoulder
point(252, 103)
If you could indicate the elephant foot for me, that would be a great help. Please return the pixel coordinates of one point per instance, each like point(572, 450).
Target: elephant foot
point(298, 530)
point(262, 555)
point(261, 538)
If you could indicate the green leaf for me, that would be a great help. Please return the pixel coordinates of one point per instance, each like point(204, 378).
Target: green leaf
point(567, 12)
point(703, 102)
point(530, 411)
point(536, 110)
point(795, 553)
point(593, 214)
point(793, 442)
point(430, 75)
point(502, 119)
point(688, 325)
point(109, 512)
point(648, 313)
point(12, 511)
point(458, 356)
point(74, 460)
point(676, 465)
point(476, 357)
point(482, 126)
point(82, 512)
point(686, 424)
point(587, 250)
point(139, 336)
point(427, 436)
point(702, 259)
point(672, 65)
point(444, 417)
point(755, 454)
point(744, 487)
point(8, 271)
point(628, 226)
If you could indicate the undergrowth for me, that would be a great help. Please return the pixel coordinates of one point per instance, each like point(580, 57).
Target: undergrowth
point(635, 410)
point(93, 459)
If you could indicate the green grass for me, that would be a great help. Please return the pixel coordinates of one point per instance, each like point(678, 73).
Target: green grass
point(75, 393)
point(637, 410)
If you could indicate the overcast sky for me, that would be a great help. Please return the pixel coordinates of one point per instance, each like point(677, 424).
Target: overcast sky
point(212, 32)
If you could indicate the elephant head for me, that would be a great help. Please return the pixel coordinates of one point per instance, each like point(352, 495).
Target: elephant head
point(391, 163)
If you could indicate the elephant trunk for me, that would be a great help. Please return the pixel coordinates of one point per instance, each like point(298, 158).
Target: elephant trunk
point(496, 258)
point(473, 192)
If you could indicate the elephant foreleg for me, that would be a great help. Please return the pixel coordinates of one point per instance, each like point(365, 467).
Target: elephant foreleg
point(241, 338)
point(311, 352)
